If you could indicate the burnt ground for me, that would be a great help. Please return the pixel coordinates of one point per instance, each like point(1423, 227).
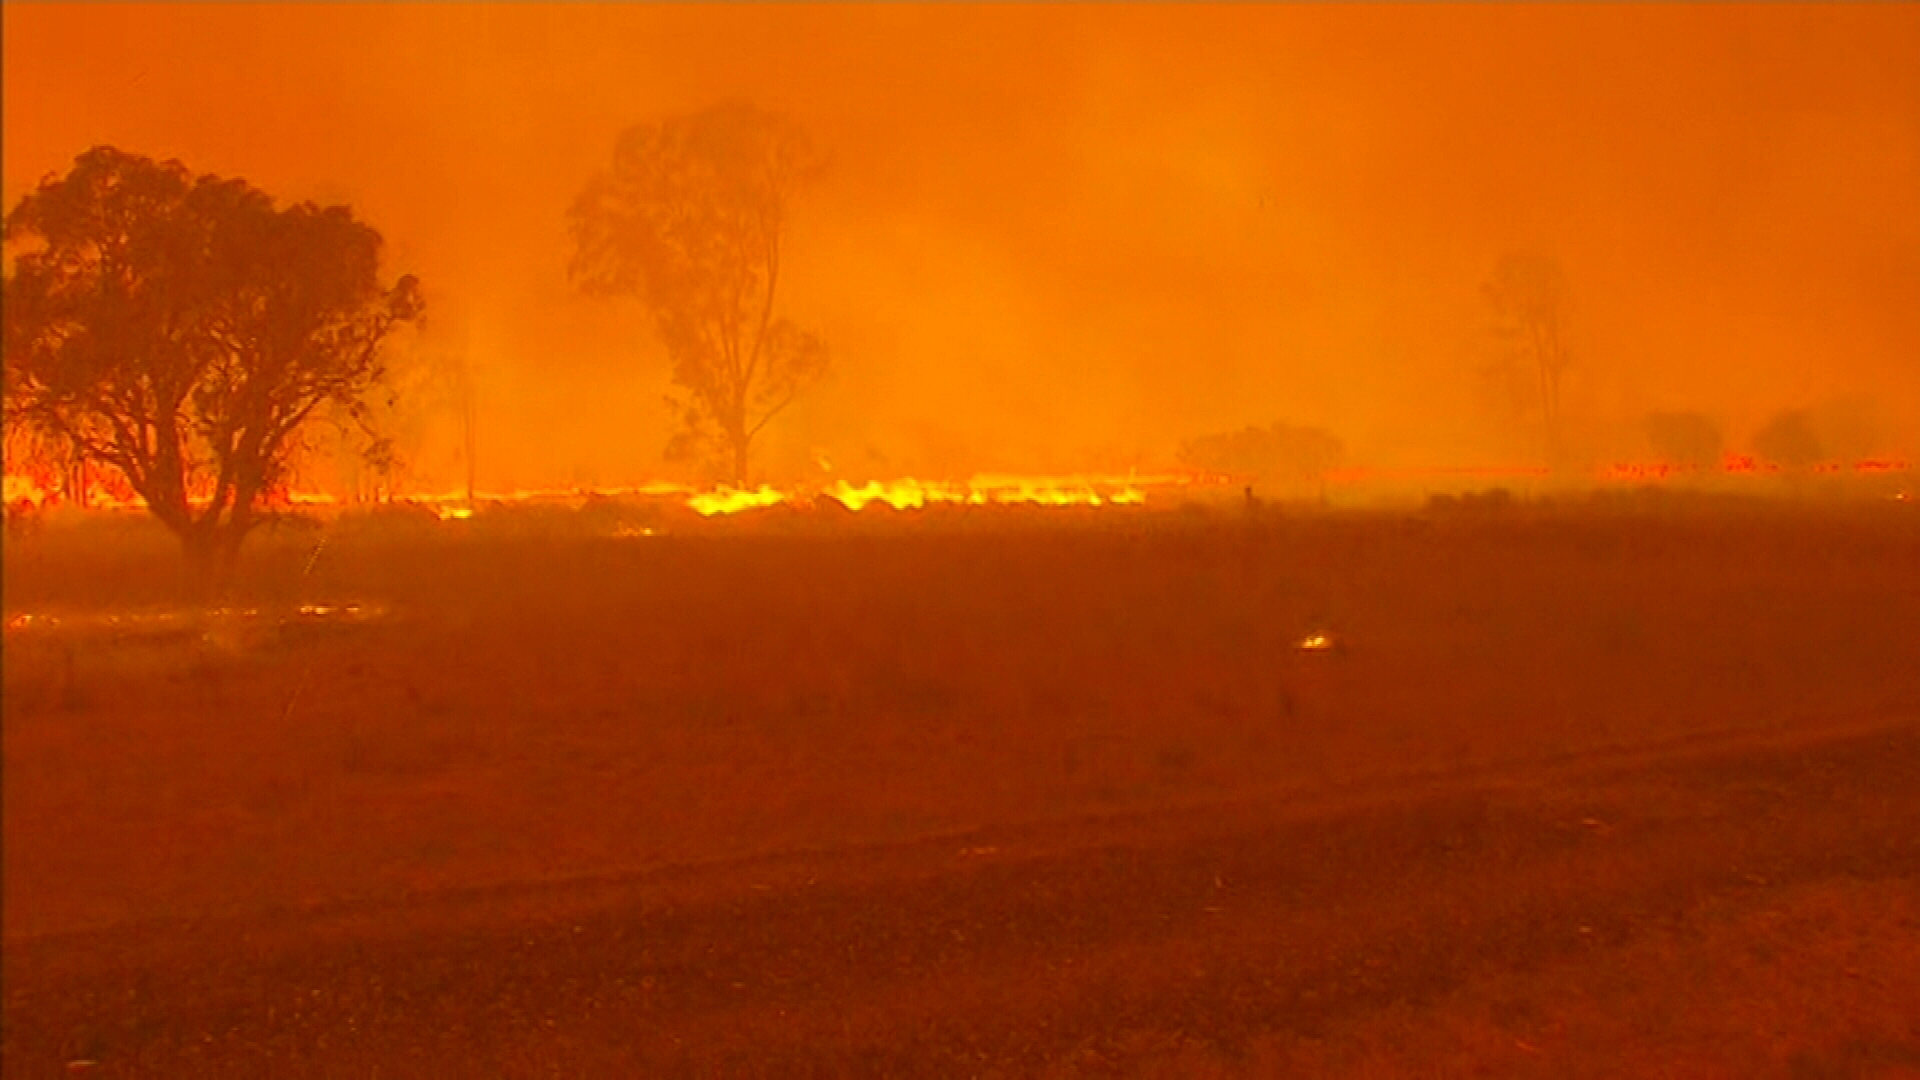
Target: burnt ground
point(1576, 799)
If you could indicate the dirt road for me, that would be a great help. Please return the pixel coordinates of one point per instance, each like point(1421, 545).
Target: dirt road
point(1598, 917)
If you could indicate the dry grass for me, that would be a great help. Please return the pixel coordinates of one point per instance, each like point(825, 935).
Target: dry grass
point(555, 706)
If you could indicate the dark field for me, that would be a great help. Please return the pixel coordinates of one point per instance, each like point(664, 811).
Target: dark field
point(1578, 791)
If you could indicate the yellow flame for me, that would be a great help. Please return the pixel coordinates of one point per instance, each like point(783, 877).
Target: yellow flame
point(21, 489)
point(911, 494)
point(731, 501)
point(901, 494)
point(905, 494)
point(983, 490)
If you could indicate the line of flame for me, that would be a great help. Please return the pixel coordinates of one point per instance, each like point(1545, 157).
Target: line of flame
point(909, 493)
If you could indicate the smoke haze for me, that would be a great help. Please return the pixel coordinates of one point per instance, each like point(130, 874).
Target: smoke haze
point(1069, 236)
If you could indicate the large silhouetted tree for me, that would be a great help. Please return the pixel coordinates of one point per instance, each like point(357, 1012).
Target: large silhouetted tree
point(1528, 295)
point(689, 219)
point(181, 330)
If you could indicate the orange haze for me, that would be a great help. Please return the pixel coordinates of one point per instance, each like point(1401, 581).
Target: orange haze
point(1064, 237)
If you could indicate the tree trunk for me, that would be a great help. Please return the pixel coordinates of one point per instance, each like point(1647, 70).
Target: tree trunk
point(226, 554)
point(200, 549)
point(233, 532)
point(76, 483)
point(469, 429)
point(740, 444)
point(212, 555)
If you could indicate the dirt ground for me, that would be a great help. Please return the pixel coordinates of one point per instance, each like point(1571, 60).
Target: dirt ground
point(1576, 792)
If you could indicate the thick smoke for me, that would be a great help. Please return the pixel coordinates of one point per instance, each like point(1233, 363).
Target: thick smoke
point(1068, 237)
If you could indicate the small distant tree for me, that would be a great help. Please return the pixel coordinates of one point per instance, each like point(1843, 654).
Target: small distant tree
point(1789, 440)
point(1288, 457)
point(466, 405)
point(181, 330)
point(429, 385)
point(689, 219)
point(365, 447)
point(1847, 428)
point(1687, 439)
point(1528, 296)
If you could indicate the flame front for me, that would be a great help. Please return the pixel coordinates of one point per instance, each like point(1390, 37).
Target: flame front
point(21, 488)
point(992, 489)
point(911, 494)
point(730, 501)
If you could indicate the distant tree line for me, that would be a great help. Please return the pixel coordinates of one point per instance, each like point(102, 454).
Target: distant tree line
point(1795, 438)
point(1530, 300)
point(185, 333)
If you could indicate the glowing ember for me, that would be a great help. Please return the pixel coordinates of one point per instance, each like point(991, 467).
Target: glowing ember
point(136, 621)
point(1316, 642)
point(323, 611)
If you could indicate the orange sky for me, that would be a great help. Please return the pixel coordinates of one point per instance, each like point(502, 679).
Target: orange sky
point(1067, 233)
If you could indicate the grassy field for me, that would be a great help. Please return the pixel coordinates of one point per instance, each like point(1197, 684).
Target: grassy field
point(558, 706)
point(551, 705)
